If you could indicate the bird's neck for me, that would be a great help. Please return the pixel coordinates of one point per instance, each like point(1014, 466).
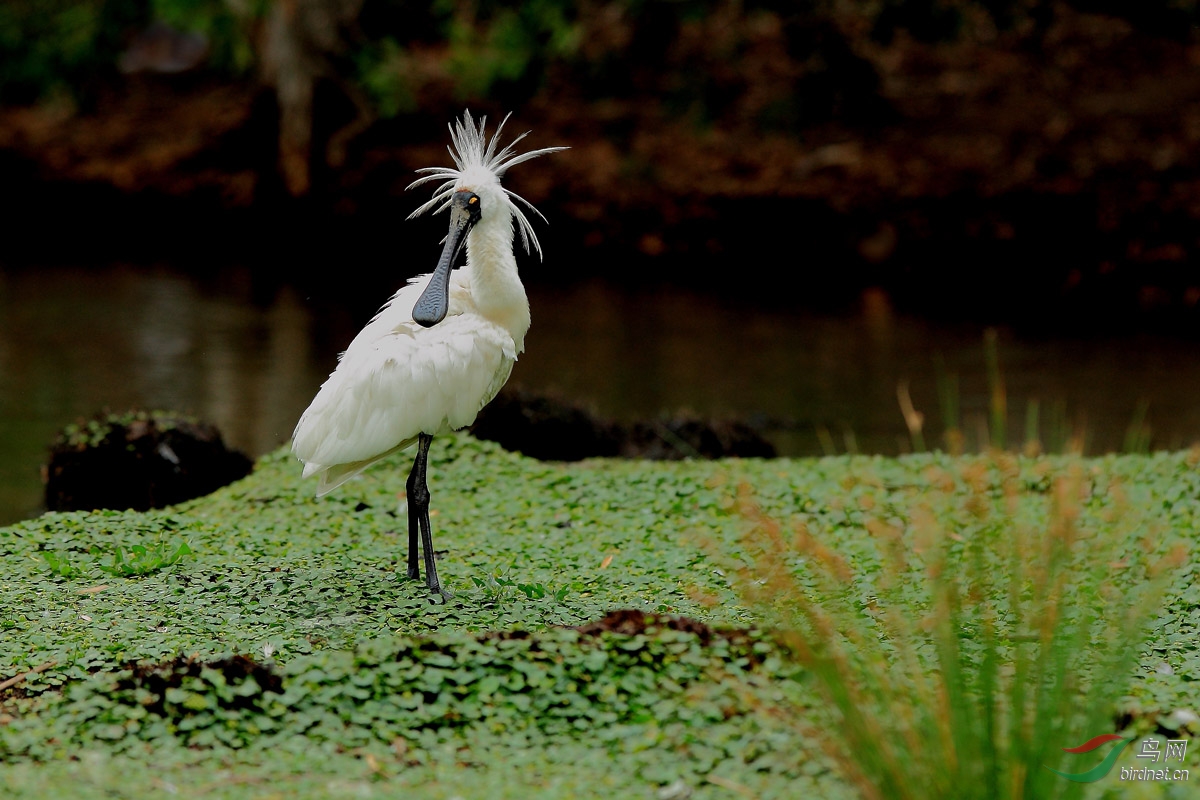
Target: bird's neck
point(496, 288)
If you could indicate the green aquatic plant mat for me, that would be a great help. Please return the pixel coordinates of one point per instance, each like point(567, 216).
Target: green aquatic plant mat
point(262, 582)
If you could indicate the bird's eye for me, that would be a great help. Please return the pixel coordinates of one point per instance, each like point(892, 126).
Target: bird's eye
point(473, 201)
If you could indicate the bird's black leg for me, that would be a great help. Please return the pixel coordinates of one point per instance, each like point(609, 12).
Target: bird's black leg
point(418, 512)
point(418, 498)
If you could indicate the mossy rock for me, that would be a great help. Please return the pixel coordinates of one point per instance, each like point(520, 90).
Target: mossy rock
point(138, 460)
point(551, 428)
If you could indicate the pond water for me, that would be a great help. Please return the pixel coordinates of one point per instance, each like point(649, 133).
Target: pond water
point(248, 354)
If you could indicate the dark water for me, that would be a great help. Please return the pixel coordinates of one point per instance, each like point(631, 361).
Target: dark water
point(250, 356)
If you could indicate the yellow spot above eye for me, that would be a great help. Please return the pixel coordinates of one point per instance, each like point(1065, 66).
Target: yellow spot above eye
point(473, 200)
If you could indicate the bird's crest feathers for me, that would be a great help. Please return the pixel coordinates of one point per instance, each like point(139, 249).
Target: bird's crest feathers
point(476, 159)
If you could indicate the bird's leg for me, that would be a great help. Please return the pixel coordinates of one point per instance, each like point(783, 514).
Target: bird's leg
point(418, 508)
point(418, 498)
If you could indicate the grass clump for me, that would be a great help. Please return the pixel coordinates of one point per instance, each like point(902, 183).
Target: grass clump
point(144, 560)
point(972, 631)
point(123, 562)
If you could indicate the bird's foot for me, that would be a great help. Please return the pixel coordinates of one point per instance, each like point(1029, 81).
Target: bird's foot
point(439, 595)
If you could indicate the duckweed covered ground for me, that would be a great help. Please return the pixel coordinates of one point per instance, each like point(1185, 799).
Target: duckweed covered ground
point(262, 643)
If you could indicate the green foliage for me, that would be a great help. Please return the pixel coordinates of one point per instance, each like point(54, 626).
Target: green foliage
point(497, 43)
point(124, 562)
point(497, 586)
point(983, 631)
point(492, 50)
point(61, 565)
point(65, 47)
point(227, 27)
point(60, 45)
point(142, 560)
point(385, 71)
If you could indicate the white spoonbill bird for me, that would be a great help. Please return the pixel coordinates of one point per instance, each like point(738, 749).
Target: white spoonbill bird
point(440, 349)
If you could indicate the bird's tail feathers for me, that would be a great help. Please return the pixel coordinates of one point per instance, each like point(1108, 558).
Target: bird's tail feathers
point(334, 476)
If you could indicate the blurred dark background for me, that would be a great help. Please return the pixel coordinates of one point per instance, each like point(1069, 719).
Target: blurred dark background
point(774, 210)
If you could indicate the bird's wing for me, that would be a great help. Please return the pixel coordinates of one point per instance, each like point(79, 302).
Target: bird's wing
point(399, 381)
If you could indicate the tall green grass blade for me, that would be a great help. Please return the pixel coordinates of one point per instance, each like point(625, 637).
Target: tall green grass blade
point(1033, 439)
point(1138, 434)
point(948, 400)
point(998, 403)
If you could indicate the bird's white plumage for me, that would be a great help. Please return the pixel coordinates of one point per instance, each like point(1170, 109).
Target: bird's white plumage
point(398, 379)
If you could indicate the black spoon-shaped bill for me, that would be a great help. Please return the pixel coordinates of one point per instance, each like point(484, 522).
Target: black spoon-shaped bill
point(431, 306)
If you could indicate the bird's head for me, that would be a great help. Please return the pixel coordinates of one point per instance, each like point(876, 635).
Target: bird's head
point(472, 192)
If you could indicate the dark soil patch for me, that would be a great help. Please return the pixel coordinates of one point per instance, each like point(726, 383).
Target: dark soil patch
point(156, 679)
point(634, 622)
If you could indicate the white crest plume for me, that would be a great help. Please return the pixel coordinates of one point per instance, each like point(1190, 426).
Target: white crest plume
point(473, 153)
